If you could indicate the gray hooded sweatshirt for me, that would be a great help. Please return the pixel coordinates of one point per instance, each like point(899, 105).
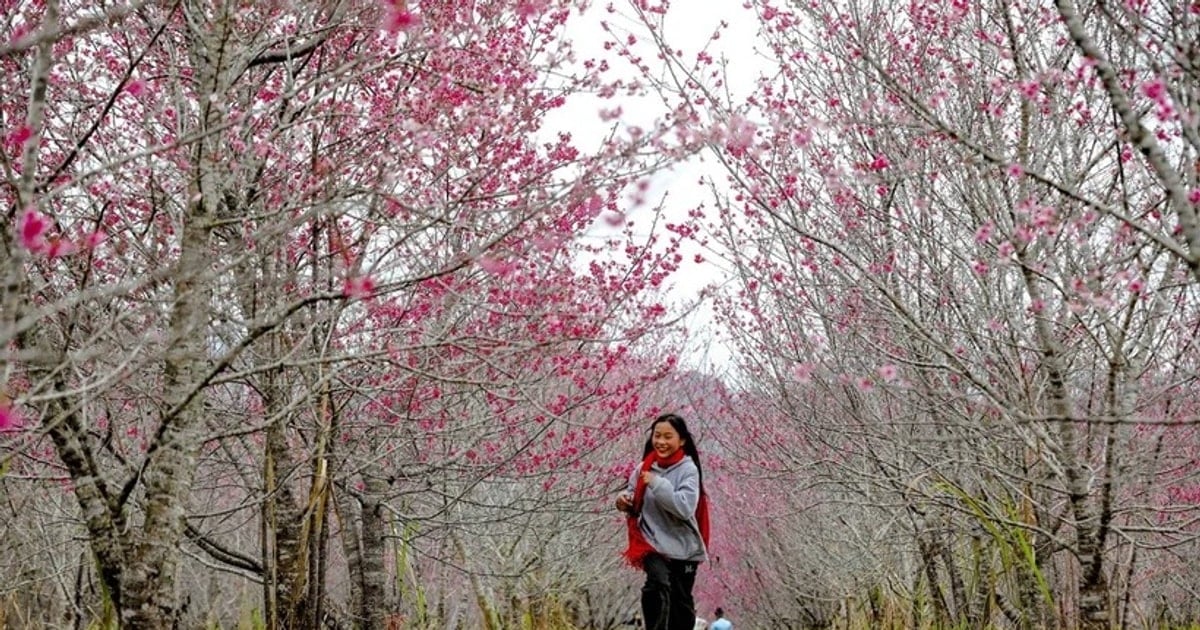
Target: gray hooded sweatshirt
point(668, 518)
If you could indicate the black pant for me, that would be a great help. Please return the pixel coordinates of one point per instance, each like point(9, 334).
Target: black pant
point(667, 594)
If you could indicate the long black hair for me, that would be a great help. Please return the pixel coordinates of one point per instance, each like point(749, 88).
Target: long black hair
point(689, 443)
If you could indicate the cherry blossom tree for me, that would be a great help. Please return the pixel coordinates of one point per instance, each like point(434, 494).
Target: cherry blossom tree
point(963, 235)
point(291, 273)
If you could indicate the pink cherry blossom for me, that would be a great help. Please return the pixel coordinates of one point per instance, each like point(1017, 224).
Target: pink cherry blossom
point(495, 266)
point(1155, 90)
point(33, 226)
point(984, 233)
point(59, 247)
point(135, 88)
point(740, 133)
point(615, 219)
point(1185, 494)
point(397, 17)
point(531, 8)
point(888, 373)
point(609, 115)
point(360, 287)
point(802, 372)
point(802, 137)
point(92, 240)
point(17, 138)
point(19, 32)
point(10, 418)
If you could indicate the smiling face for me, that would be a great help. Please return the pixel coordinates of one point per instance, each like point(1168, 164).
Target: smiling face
point(665, 439)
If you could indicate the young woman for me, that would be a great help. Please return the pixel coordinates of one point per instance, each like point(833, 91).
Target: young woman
point(668, 523)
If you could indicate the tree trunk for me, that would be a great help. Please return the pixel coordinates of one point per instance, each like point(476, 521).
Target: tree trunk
point(1093, 588)
point(937, 597)
point(364, 545)
point(348, 517)
point(374, 569)
point(318, 532)
point(149, 591)
point(291, 552)
point(958, 591)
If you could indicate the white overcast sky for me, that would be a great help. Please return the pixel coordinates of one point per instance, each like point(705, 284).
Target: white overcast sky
point(688, 27)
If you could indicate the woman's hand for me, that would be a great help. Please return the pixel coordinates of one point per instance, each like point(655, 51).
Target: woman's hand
point(647, 477)
point(624, 502)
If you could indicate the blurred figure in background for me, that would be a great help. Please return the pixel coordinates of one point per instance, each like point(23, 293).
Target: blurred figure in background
point(720, 623)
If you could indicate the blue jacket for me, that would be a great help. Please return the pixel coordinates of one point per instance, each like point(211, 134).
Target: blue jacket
point(668, 517)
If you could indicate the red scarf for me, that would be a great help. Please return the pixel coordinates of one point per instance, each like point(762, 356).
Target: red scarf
point(638, 547)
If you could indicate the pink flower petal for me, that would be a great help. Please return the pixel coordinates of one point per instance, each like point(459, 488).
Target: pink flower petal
point(10, 419)
point(359, 288)
point(135, 88)
point(58, 247)
point(19, 136)
point(803, 372)
point(495, 266)
point(888, 373)
point(33, 229)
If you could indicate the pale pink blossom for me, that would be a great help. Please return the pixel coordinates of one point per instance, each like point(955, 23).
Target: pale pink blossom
point(802, 137)
point(495, 266)
point(531, 8)
point(10, 418)
point(594, 204)
point(19, 32)
point(398, 18)
point(609, 115)
point(1156, 90)
point(739, 133)
point(92, 240)
point(135, 88)
point(359, 287)
point(984, 233)
point(33, 226)
point(546, 243)
point(802, 372)
point(59, 247)
point(17, 138)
